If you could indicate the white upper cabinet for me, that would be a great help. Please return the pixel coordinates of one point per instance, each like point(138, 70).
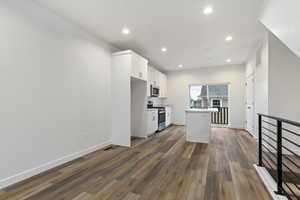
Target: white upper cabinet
point(153, 76)
point(157, 79)
point(162, 85)
point(137, 64)
point(139, 68)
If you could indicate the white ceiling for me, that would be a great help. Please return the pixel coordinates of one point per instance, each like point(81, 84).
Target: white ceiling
point(192, 39)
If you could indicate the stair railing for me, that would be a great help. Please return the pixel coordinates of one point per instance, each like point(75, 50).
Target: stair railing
point(278, 152)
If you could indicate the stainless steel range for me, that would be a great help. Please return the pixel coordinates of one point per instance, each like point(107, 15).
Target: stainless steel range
point(161, 116)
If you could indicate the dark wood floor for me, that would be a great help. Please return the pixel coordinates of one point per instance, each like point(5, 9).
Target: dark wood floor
point(161, 167)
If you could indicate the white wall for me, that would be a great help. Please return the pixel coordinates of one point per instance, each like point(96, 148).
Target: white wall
point(178, 94)
point(261, 80)
point(156, 101)
point(55, 91)
point(250, 66)
point(284, 81)
point(277, 84)
point(138, 108)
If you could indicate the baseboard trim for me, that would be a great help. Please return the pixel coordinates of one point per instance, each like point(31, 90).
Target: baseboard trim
point(219, 125)
point(236, 126)
point(269, 183)
point(252, 135)
point(42, 168)
point(178, 124)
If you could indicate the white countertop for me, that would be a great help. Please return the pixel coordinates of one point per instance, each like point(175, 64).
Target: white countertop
point(202, 110)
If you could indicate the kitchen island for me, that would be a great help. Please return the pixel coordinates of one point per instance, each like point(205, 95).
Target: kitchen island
point(198, 124)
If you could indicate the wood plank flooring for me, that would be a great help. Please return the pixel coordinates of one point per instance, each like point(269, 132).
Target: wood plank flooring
point(162, 167)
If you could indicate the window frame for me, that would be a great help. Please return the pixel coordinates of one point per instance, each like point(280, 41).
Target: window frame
point(189, 89)
point(212, 100)
point(207, 84)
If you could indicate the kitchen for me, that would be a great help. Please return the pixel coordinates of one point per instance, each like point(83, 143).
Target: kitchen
point(139, 91)
point(139, 94)
point(158, 114)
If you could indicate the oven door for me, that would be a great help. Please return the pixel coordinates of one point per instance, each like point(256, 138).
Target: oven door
point(161, 121)
point(161, 117)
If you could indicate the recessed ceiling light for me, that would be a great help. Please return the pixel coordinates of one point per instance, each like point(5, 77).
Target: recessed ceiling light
point(228, 38)
point(180, 66)
point(208, 10)
point(164, 49)
point(125, 31)
point(228, 60)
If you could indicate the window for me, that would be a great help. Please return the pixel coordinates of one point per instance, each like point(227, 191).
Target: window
point(204, 96)
point(216, 103)
point(198, 96)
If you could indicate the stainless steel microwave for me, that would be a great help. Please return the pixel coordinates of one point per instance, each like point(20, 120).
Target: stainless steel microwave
point(154, 91)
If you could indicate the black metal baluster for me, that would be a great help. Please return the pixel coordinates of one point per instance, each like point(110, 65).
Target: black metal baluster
point(286, 187)
point(260, 141)
point(223, 116)
point(227, 118)
point(219, 116)
point(279, 157)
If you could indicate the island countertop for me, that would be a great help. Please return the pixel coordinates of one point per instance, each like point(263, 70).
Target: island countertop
point(203, 110)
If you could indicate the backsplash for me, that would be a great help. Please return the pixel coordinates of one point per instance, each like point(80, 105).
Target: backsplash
point(156, 101)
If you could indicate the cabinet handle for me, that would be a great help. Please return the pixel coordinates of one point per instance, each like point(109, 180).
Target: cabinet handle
point(140, 74)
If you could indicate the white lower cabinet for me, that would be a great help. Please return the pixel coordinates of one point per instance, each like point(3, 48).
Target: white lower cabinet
point(152, 121)
point(168, 116)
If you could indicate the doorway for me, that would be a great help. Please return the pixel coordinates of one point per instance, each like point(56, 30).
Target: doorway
point(250, 104)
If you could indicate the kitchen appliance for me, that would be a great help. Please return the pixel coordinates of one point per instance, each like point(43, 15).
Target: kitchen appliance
point(161, 118)
point(154, 91)
point(150, 104)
